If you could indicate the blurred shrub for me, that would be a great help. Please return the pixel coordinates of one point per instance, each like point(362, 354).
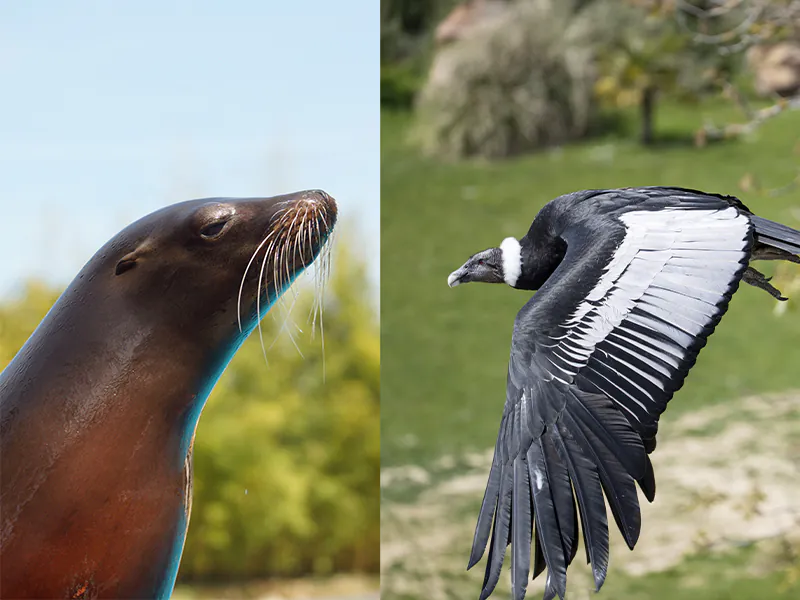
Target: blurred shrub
point(286, 465)
point(520, 83)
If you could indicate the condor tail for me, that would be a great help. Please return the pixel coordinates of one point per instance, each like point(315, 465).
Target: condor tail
point(773, 241)
point(776, 235)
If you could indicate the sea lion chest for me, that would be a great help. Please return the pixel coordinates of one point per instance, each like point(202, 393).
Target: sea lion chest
point(94, 462)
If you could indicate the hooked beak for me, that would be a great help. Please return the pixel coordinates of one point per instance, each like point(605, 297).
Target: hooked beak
point(454, 278)
point(477, 268)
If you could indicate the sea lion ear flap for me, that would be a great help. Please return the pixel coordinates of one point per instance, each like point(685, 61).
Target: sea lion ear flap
point(126, 263)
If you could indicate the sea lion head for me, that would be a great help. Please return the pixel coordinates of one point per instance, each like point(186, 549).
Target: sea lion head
point(217, 261)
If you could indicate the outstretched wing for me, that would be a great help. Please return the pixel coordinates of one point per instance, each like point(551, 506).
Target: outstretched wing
point(588, 379)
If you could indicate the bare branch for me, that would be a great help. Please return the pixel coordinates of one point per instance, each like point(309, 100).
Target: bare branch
point(734, 25)
point(709, 132)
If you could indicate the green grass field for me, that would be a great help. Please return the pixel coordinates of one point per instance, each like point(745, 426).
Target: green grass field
point(445, 350)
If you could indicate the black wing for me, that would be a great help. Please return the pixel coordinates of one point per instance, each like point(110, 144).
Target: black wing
point(588, 379)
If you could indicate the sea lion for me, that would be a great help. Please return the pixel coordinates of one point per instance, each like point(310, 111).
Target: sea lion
point(98, 409)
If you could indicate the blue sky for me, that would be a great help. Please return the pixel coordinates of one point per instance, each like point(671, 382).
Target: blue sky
point(111, 110)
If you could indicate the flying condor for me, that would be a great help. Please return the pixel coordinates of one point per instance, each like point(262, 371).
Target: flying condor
point(631, 282)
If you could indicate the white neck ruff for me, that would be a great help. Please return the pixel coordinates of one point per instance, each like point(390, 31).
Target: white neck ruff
point(512, 260)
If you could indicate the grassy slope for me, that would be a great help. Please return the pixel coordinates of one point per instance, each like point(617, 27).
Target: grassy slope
point(709, 576)
point(703, 576)
point(445, 351)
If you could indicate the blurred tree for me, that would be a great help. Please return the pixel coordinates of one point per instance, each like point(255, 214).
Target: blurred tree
point(733, 25)
point(286, 465)
point(643, 50)
point(769, 30)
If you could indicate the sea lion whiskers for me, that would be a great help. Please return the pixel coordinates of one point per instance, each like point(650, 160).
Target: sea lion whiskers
point(312, 319)
point(288, 321)
point(285, 249)
point(305, 239)
point(267, 254)
point(277, 228)
point(318, 274)
point(277, 260)
point(322, 275)
point(296, 238)
point(297, 248)
point(292, 251)
point(244, 276)
point(307, 229)
point(325, 277)
point(300, 229)
point(282, 265)
point(258, 299)
point(273, 231)
point(300, 240)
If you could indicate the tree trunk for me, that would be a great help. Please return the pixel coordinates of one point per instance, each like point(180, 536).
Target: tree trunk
point(648, 112)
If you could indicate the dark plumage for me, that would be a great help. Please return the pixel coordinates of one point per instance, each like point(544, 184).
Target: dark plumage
point(631, 282)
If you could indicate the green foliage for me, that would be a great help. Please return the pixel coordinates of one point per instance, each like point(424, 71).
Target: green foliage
point(405, 24)
point(286, 465)
point(727, 575)
point(413, 17)
point(399, 85)
point(405, 47)
point(445, 350)
point(521, 83)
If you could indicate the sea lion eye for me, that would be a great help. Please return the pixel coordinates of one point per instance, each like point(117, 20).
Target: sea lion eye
point(213, 230)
